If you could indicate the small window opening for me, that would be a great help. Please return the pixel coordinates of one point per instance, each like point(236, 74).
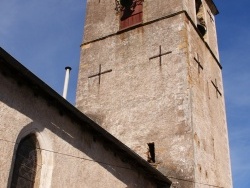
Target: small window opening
point(151, 152)
point(131, 13)
point(201, 24)
point(126, 3)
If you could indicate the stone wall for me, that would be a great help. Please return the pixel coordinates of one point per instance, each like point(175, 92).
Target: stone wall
point(141, 99)
point(212, 162)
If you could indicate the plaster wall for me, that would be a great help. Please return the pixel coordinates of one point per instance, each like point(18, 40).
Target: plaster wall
point(70, 155)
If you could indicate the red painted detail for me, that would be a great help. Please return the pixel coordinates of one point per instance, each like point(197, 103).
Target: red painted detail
point(131, 16)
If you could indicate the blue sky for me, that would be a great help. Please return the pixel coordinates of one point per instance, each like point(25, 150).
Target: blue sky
point(233, 28)
point(45, 36)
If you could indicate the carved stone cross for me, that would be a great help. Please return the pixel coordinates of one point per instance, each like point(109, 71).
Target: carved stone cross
point(199, 63)
point(100, 73)
point(216, 88)
point(160, 55)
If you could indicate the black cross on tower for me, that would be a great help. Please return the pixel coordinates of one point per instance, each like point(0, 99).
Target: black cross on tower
point(160, 55)
point(216, 87)
point(100, 73)
point(199, 63)
point(210, 15)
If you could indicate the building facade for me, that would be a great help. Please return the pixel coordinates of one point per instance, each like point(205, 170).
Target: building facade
point(46, 142)
point(150, 75)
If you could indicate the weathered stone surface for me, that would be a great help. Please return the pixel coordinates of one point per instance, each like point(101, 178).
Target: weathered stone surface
point(173, 105)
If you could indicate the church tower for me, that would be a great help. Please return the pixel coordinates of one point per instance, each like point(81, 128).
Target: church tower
point(150, 75)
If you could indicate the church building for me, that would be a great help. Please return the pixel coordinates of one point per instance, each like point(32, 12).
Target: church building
point(150, 107)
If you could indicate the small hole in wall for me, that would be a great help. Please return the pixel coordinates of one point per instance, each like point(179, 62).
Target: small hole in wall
point(206, 174)
point(151, 152)
point(200, 168)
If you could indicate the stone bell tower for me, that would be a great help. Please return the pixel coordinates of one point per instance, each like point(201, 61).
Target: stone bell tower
point(150, 75)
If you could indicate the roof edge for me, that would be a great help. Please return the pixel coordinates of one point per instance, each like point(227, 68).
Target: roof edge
point(212, 7)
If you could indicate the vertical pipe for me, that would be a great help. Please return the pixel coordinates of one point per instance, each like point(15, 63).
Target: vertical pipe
point(66, 82)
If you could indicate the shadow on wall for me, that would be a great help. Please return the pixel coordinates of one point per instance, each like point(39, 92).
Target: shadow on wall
point(65, 126)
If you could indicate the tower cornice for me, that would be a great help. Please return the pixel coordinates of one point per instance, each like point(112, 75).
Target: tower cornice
point(212, 6)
